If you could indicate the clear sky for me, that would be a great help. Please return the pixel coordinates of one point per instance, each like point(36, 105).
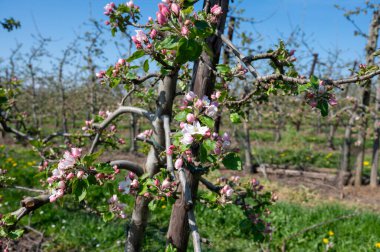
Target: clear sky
point(60, 20)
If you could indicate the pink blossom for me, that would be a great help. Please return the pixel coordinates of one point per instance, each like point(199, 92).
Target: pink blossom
point(211, 110)
point(182, 125)
point(216, 10)
point(100, 74)
point(165, 184)
point(61, 185)
point(76, 152)
point(109, 8)
point(130, 4)
point(161, 19)
point(150, 19)
point(50, 180)
point(190, 118)
point(153, 34)
point(113, 128)
point(107, 22)
point(156, 182)
point(121, 62)
point(80, 174)
point(121, 141)
point(199, 104)
point(169, 151)
point(131, 175)
point(218, 94)
point(184, 31)
point(67, 162)
point(141, 36)
point(178, 163)
point(135, 183)
point(217, 151)
point(89, 122)
point(190, 96)
point(70, 176)
point(175, 8)
point(187, 139)
point(166, 1)
point(164, 10)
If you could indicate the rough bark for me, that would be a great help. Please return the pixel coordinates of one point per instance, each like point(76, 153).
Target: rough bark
point(346, 152)
point(248, 165)
point(166, 94)
point(203, 83)
point(376, 143)
point(366, 94)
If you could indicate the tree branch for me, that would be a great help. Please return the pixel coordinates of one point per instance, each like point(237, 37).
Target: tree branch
point(194, 230)
point(169, 158)
point(210, 186)
point(128, 165)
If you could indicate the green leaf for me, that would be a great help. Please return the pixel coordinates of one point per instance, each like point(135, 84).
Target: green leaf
point(303, 88)
point(203, 154)
point(15, 234)
point(209, 145)
point(232, 161)
point(208, 121)
point(181, 116)
point(170, 42)
point(323, 106)
point(235, 118)
point(146, 66)
point(188, 50)
point(108, 216)
point(80, 189)
point(136, 55)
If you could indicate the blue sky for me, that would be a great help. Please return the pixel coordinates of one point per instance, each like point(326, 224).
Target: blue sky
point(325, 26)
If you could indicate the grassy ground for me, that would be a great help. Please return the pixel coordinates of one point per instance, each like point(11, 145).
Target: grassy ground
point(67, 227)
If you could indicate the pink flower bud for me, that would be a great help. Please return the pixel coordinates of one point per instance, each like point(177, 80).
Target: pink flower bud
point(100, 176)
point(121, 62)
point(165, 184)
point(121, 141)
point(161, 19)
point(217, 151)
point(50, 180)
point(156, 182)
point(190, 118)
point(70, 176)
point(146, 195)
point(175, 8)
point(150, 19)
point(61, 185)
point(216, 10)
point(198, 104)
point(107, 22)
point(153, 34)
point(130, 4)
point(76, 152)
point(131, 175)
point(80, 174)
point(178, 163)
point(187, 22)
point(164, 10)
point(113, 128)
point(135, 183)
point(182, 125)
point(190, 96)
point(184, 31)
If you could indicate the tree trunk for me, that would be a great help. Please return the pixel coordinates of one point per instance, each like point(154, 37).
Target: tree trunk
point(133, 133)
point(203, 83)
point(332, 131)
point(136, 229)
point(248, 166)
point(376, 143)
point(346, 152)
point(370, 49)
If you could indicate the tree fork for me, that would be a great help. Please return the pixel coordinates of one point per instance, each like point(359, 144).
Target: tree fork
point(203, 83)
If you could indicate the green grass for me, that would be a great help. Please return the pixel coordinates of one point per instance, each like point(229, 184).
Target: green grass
point(69, 228)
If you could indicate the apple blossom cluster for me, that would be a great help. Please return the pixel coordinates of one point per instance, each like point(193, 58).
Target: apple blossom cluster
point(114, 12)
point(233, 191)
point(320, 93)
point(116, 207)
point(64, 172)
point(120, 69)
